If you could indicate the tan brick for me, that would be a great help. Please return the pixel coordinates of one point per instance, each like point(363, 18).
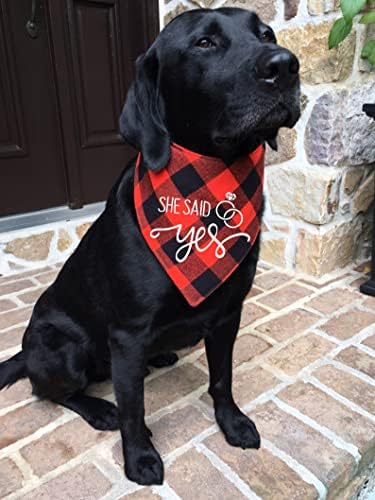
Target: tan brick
point(248, 384)
point(171, 386)
point(348, 324)
point(194, 470)
point(6, 305)
point(246, 348)
point(10, 477)
point(288, 325)
point(357, 283)
point(370, 303)
point(329, 302)
point(357, 359)
point(300, 353)
point(61, 445)
point(82, 482)
point(15, 286)
point(172, 431)
point(254, 292)
point(271, 280)
point(32, 296)
point(331, 465)
point(12, 318)
point(321, 284)
point(23, 421)
point(143, 494)
point(269, 477)
point(351, 426)
point(251, 313)
point(349, 386)
point(25, 274)
point(15, 393)
point(352, 490)
point(11, 338)
point(47, 278)
point(285, 296)
point(369, 342)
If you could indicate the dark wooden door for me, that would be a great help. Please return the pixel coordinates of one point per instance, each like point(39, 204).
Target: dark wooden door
point(31, 156)
point(73, 78)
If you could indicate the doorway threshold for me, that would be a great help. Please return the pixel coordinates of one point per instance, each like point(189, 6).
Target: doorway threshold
point(40, 217)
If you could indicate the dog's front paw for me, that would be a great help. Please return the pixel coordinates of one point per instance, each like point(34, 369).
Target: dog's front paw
point(238, 429)
point(144, 466)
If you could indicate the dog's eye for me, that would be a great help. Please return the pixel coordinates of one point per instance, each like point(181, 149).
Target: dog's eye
point(267, 36)
point(205, 43)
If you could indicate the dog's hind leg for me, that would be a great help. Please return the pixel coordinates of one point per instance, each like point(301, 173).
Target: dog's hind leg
point(58, 366)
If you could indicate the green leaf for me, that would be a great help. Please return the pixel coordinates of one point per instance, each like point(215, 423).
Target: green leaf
point(350, 8)
point(368, 18)
point(368, 52)
point(339, 31)
point(367, 49)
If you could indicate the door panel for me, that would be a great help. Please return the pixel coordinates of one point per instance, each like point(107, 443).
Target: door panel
point(31, 162)
point(61, 95)
point(12, 134)
point(103, 38)
point(97, 78)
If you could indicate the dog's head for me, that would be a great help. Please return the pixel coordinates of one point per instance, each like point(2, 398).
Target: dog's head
point(215, 82)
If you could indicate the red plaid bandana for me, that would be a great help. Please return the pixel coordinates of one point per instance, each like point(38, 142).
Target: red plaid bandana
point(200, 217)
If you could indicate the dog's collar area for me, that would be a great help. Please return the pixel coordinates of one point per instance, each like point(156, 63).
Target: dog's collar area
point(252, 155)
point(200, 217)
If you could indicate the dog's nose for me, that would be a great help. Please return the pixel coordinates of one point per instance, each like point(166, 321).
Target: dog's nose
point(279, 68)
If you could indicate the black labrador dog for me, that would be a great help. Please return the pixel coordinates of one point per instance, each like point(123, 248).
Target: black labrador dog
point(215, 82)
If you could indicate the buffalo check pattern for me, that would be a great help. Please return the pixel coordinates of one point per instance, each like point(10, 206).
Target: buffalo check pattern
point(179, 206)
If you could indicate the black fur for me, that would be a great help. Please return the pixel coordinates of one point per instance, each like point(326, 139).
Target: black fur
point(113, 310)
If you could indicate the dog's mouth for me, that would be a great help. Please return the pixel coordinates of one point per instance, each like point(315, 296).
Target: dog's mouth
point(281, 114)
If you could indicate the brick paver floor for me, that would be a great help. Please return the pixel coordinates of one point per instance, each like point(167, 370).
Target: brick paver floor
point(304, 371)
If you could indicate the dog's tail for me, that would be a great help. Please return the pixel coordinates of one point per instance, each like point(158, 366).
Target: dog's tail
point(12, 370)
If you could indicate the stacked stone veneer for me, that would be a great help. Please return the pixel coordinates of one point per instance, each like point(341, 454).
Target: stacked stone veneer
point(48, 243)
point(320, 185)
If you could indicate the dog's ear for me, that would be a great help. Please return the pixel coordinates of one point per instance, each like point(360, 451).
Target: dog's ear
point(141, 120)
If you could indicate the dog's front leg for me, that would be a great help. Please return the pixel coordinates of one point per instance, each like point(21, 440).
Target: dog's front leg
point(142, 462)
point(238, 429)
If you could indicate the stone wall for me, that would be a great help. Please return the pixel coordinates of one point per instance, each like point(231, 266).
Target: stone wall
point(42, 245)
point(320, 184)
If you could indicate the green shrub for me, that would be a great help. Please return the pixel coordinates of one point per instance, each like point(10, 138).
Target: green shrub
point(343, 26)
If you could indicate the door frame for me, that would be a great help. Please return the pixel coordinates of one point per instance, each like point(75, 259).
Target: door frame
point(63, 71)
